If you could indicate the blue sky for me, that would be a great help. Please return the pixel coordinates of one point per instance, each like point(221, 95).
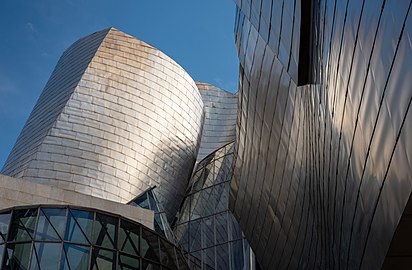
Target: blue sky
point(198, 34)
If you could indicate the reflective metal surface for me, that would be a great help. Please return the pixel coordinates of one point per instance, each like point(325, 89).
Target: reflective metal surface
point(205, 228)
point(116, 117)
point(323, 171)
point(219, 127)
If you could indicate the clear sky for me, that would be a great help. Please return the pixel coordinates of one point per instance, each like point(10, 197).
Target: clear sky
point(197, 34)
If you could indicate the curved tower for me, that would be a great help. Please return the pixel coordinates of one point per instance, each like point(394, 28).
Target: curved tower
point(219, 127)
point(116, 117)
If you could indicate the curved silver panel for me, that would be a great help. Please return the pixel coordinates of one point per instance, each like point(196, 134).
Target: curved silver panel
point(323, 171)
point(219, 127)
point(116, 117)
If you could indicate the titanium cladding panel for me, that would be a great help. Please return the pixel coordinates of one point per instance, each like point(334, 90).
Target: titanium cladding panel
point(124, 116)
point(323, 171)
point(219, 127)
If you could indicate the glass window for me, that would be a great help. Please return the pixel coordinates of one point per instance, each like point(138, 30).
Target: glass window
point(237, 254)
point(167, 252)
point(195, 235)
point(79, 226)
point(209, 257)
point(182, 261)
point(222, 257)
point(23, 224)
point(141, 201)
point(1, 254)
point(129, 238)
point(75, 257)
point(128, 262)
point(45, 256)
point(221, 228)
point(17, 256)
point(149, 246)
point(105, 230)
point(4, 226)
point(150, 266)
point(103, 259)
point(51, 224)
point(208, 228)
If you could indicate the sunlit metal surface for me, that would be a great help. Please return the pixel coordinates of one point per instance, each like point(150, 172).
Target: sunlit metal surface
point(116, 117)
point(323, 171)
point(219, 126)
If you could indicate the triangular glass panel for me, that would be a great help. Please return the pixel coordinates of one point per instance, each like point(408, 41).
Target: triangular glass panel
point(102, 259)
point(168, 256)
point(127, 262)
point(51, 224)
point(79, 226)
point(75, 257)
point(45, 256)
point(150, 246)
point(23, 224)
point(4, 226)
point(129, 238)
point(105, 228)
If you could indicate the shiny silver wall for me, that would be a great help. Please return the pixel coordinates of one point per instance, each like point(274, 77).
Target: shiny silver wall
point(116, 117)
point(219, 127)
point(323, 171)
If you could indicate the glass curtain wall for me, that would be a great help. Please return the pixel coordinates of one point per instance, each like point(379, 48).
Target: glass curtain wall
point(71, 238)
point(206, 229)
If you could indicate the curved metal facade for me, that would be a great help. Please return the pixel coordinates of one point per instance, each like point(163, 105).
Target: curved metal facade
point(323, 171)
point(116, 117)
point(219, 127)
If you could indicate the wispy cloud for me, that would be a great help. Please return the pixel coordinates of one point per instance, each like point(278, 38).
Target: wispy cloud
point(30, 27)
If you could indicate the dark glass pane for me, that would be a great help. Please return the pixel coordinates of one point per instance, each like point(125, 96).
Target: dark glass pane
point(23, 224)
point(221, 228)
point(235, 232)
point(237, 255)
point(127, 262)
point(105, 230)
point(158, 225)
point(152, 201)
point(75, 257)
point(142, 201)
point(222, 257)
point(4, 226)
point(79, 226)
point(1, 254)
point(167, 252)
point(209, 257)
point(51, 224)
point(182, 261)
point(149, 245)
point(195, 235)
point(129, 238)
point(46, 256)
point(208, 232)
point(17, 256)
point(103, 259)
point(150, 266)
point(182, 233)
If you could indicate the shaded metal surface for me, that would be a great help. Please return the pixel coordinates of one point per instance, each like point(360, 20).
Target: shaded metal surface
point(219, 127)
point(116, 117)
point(323, 172)
point(205, 228)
